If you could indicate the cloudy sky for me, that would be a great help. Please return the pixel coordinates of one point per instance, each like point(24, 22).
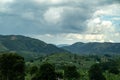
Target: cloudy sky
point(62, 21)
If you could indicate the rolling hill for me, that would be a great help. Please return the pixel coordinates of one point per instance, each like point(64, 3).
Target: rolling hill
point(94, 47)
point(27, 46)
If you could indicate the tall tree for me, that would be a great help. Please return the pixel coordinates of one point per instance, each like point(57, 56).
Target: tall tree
point(46, 72)
point(11, 67)
point(95, 73)
point(70, 73)
point(33, 70)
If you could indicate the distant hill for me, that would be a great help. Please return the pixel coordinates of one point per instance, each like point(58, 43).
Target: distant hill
point(93, 47)
point(27, 46)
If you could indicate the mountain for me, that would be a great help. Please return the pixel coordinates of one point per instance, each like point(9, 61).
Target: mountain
point(27, 46)
point(93, 47)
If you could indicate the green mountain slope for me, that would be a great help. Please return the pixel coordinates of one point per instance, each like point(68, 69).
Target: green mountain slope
point(101, 48)
point(27, 46)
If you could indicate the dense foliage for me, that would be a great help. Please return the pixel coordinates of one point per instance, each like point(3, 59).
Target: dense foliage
point(70, 73)
point(60, 66)
point(81, 67)
point(46, 72)
point(95, 73)
point(11, 67)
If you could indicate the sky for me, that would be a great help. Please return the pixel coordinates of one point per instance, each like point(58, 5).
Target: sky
point(62, 21)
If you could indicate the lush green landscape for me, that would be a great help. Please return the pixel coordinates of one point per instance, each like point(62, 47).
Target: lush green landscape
point(59, 39)
point(37, 60)
point(83, 64)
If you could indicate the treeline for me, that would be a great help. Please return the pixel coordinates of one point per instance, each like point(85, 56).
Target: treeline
point(12, 67)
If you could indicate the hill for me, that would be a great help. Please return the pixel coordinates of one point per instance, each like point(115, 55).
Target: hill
point(27, 46)
point(94, 47)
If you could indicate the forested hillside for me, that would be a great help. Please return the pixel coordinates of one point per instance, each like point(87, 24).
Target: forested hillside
point(94, 47)
point(26, 46)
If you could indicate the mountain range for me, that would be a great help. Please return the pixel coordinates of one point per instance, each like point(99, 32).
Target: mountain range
point(33, 48)
point(93, 47)
point(27, 46)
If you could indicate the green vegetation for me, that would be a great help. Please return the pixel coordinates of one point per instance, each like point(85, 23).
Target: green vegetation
point(82, 66)
point(11, 67)
point(29, 48)
point(94, 61)
point(60, 66)
point(70, 73)
point(95, 73)
point(46, 71)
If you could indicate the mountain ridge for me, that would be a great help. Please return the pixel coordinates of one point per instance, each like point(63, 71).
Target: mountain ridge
point(26, 45)
point(93, 47)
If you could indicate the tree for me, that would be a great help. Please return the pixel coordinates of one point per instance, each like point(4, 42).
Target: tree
point(33, 70)
point(59, 74)
point(111, 66)
point(46, 72)
point(70, 73)
point(95, 73)
point(11, 67)
point(114, 70)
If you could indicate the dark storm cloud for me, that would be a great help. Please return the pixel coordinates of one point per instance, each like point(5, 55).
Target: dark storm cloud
point(74, 19)
point(27, 17)
point(14, 22)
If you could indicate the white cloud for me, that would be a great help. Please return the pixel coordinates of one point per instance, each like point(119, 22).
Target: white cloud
point(40, 1)
point(102, 23)
point(94, 37)
point(97, 20)
point(49, 35)
point(107, 25)
point(50, 1)
point(56, 1)
point(110, 41)
point(73, 36)
point(4, 5)
point(53, 15)
point(70, 38)
point(117, 34)
point(5, 1)
point(109, 10)
point(116, 18)
point(104, 31)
